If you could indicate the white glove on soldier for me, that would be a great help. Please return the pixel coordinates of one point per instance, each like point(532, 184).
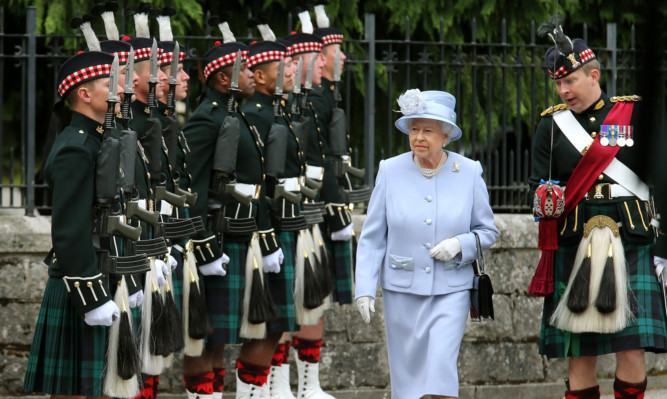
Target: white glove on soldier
point(102, 315)
point(366, 305)
point(660, 265)
point(136, 299)
point(446, 250)
point(215, 268)
point(343, 234)
point(273, 261)
point(171, 261)
point(161, 272)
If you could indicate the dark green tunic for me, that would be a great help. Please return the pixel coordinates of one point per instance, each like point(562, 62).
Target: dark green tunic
point(67, 355)
point(259, 112)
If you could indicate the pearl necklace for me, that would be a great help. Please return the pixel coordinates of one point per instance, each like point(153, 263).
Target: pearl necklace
point(431, 172)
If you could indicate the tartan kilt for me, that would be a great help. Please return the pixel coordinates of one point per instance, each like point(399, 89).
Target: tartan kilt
point(224, 296)
point(177, 280)
point(281, 286)
point(340, 254)
point(67, 355)
point(647, 331)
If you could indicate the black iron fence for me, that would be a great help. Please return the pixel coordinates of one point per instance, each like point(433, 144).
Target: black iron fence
point(500, 89)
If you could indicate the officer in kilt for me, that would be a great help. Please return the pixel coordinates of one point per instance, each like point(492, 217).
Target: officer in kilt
point(603, 296)
point(264, 60)
point(226, 161)
point(68, 349)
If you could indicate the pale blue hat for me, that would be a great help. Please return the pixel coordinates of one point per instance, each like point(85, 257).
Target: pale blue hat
point(431, 104)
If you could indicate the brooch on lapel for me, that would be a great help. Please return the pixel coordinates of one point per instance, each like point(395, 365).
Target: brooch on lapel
point(457, 167)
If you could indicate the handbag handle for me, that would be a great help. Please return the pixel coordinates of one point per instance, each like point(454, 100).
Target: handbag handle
point(480, 258)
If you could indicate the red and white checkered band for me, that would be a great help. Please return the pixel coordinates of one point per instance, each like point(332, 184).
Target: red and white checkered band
point(266, 56)
point(143, 53)
point(331, 39)
point(122, 56)
point(586, 55)
point(560, 72)
point(222, 62)
point(307, 47)
point(166, 56)
point(82, 75)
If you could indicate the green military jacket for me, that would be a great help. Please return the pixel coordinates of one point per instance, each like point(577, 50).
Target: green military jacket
point(259, 112)
point(70, 174)
point(323, 102)
point(201, 133)
point(320, 106)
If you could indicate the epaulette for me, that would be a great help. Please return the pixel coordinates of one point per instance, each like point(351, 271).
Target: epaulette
point(553, 109)
point(632, 98)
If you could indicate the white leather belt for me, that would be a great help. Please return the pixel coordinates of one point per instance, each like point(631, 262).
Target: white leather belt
point(614, 191)
point(314, 172)
point(292, 183)
point(252, 190)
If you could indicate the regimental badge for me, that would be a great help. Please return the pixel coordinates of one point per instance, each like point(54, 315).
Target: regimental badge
point(575, 63)
point(100, 129)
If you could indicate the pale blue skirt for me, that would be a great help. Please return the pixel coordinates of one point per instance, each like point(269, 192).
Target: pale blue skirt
point(424, 336)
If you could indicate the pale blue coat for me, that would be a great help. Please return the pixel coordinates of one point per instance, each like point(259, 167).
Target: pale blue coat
point(426, 302)
point(408, 214)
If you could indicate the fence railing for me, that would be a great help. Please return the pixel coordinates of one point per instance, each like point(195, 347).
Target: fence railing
point(500, 88)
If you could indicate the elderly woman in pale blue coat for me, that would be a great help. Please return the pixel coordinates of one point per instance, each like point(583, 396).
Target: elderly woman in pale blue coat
point(418, 243)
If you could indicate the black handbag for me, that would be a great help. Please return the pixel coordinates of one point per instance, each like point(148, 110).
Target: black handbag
point(481, 295)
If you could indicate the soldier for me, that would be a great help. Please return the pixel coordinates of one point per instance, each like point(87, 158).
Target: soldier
point(227, 166)
point(155, 184)
point(67, 355)
point(265, 110)
point(337, 218)
point(603, 296)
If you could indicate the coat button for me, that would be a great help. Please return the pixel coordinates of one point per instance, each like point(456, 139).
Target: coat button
point(592, 119)
point(428, 221)
point(427, 269)
point(427, 245)
point(428, 198)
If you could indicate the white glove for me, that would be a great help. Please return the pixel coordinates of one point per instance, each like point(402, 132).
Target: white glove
point(136, 299)
point(343, 234)
point(215, 268)
point(660, 265)
point(161, 271)
point(366, 305)
point(102, 315)
point(171, 261)
point(446, 250)
point(273, 261)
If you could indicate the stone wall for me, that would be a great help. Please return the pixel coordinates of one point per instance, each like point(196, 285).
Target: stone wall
point(498, 356)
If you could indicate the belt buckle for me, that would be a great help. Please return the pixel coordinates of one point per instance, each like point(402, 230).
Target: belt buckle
point(602, 191)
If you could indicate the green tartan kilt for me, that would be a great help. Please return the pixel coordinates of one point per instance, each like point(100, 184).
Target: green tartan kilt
point(281, 286)
point(224, 296)
point(67, 355)
point(177, 280)
point(340, 252)
point(647, 331)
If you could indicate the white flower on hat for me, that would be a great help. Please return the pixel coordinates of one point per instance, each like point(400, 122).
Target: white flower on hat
point(411, 102)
